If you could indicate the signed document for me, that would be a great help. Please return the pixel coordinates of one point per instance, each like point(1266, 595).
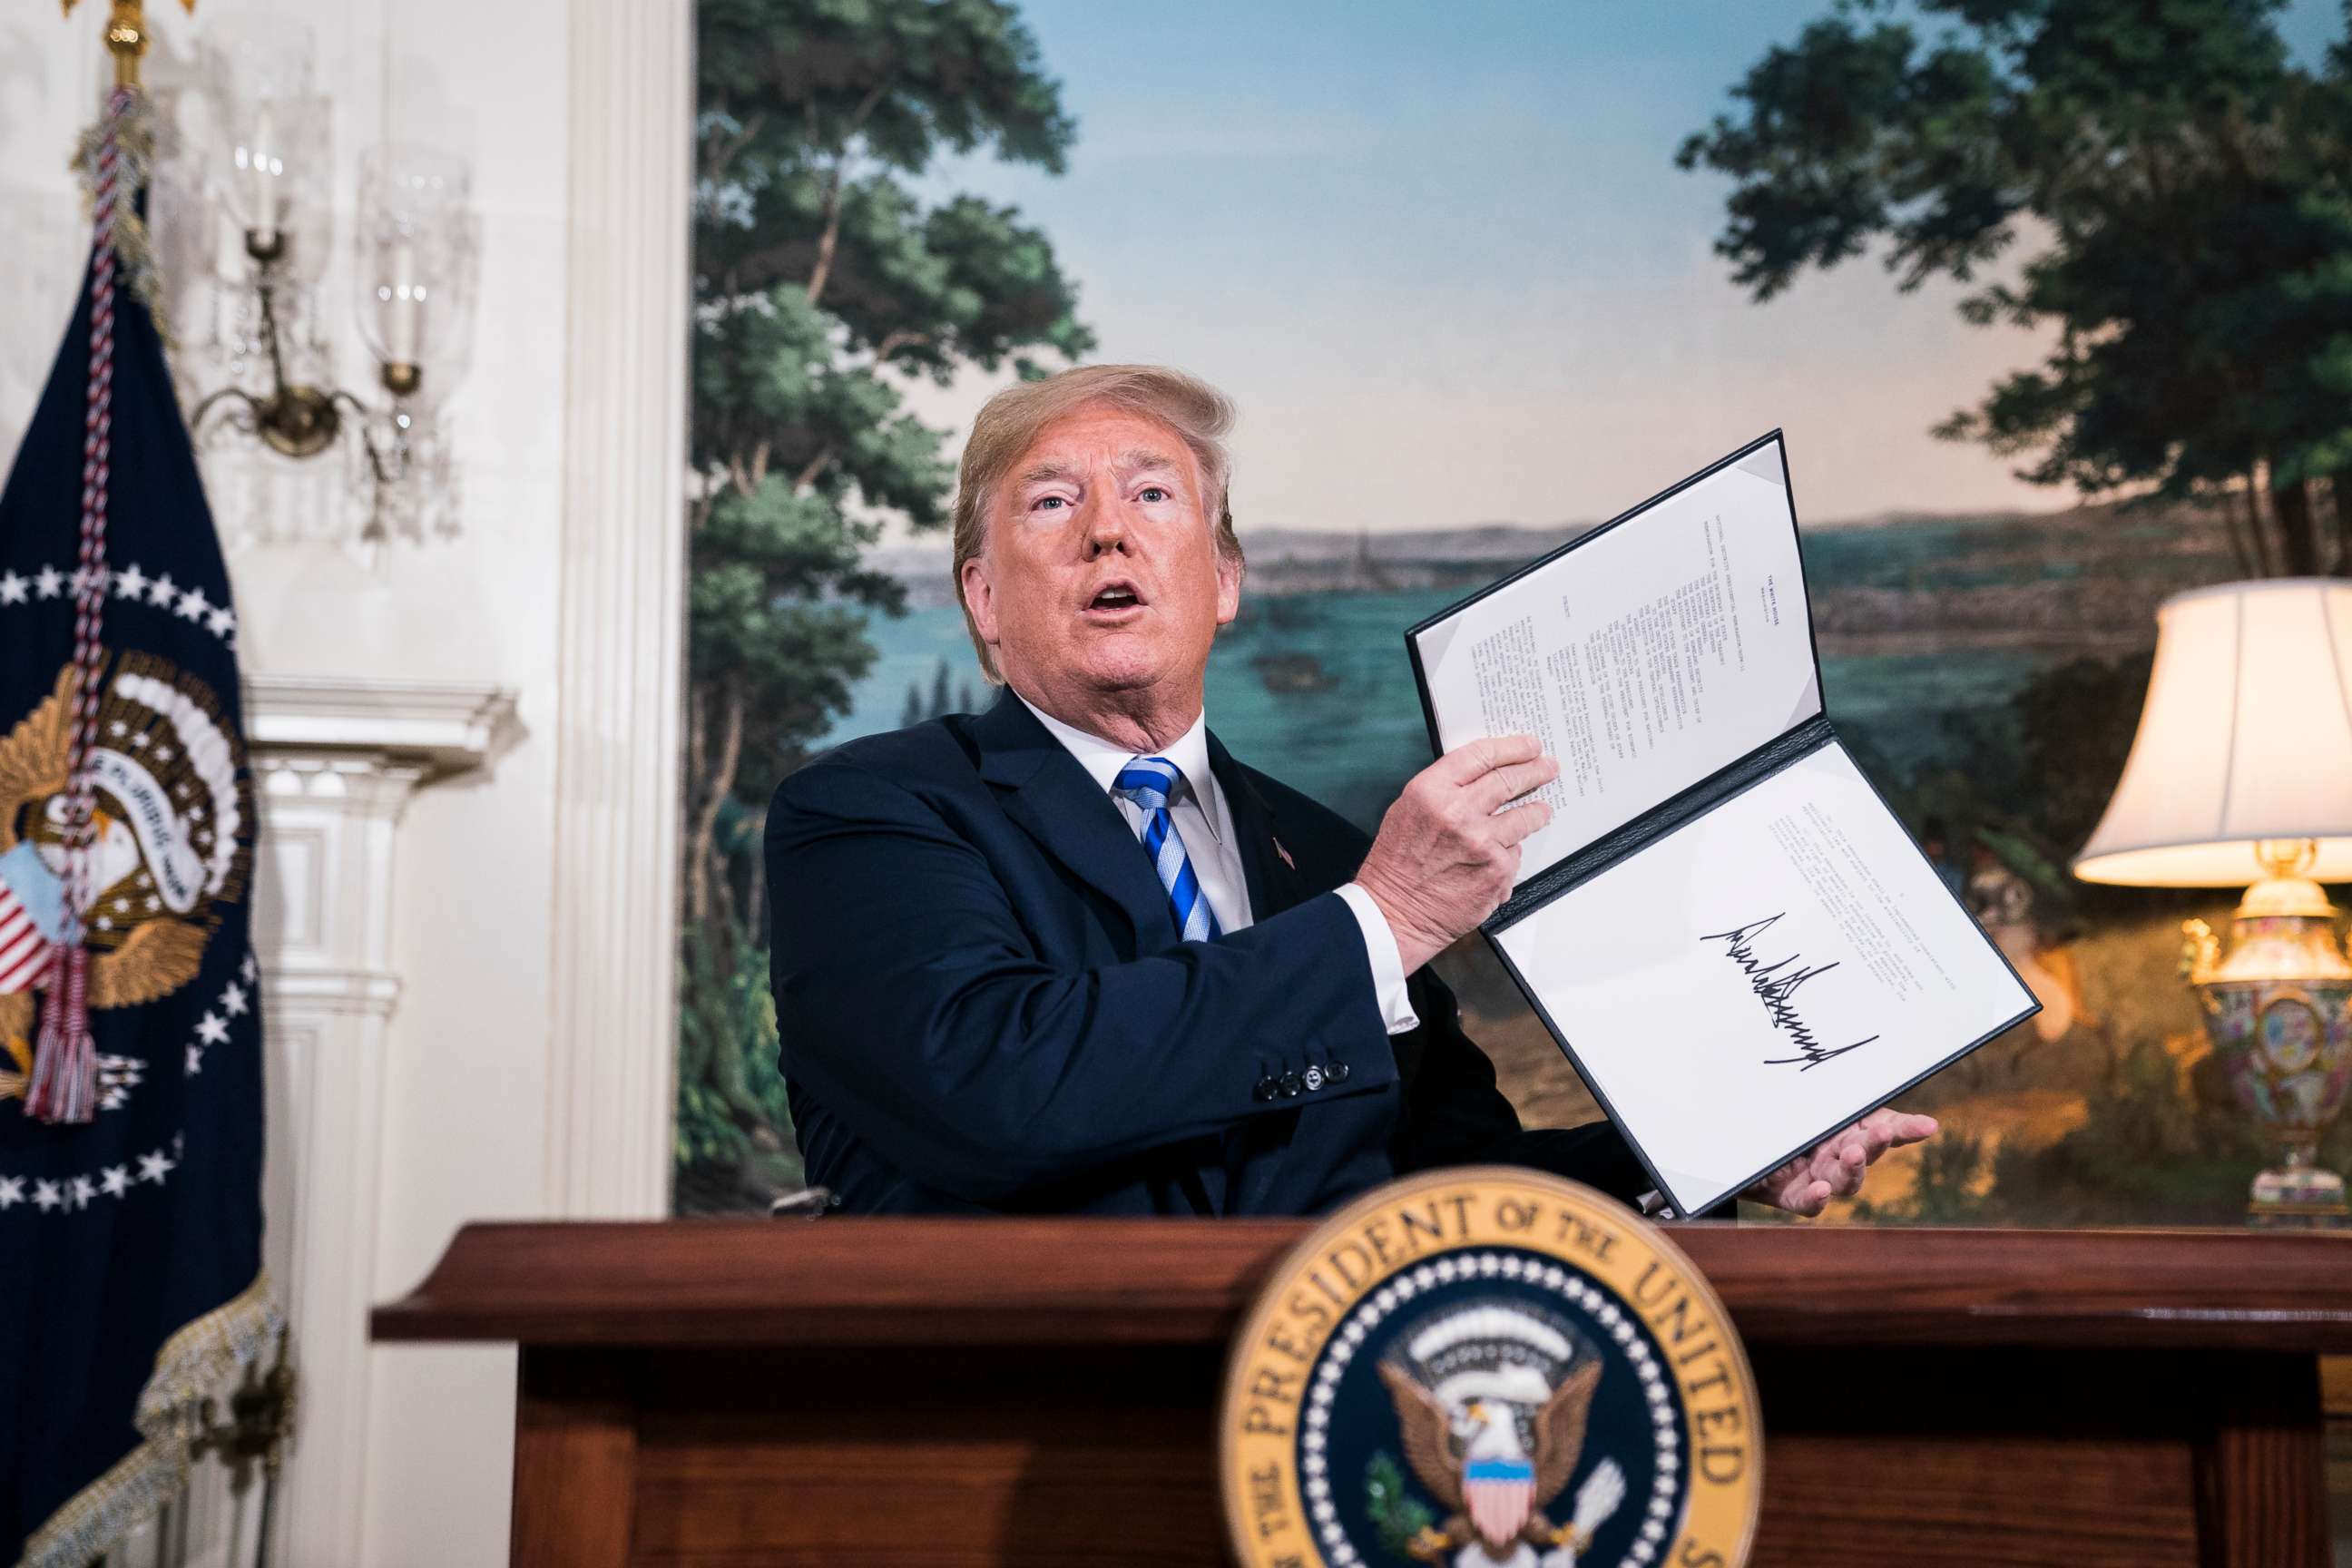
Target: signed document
point(1733, 938)
point(1652, 652)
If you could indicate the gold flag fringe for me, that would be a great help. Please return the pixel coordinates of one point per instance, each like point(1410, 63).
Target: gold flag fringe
point(202, 1358)
point(134, 247)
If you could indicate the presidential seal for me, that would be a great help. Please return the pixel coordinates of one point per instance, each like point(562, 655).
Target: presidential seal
point(1489, 1368)
point(170, 838)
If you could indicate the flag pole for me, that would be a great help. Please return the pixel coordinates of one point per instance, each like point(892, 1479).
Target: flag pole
point(126, 36)
point(114, 157)
point(126, 40)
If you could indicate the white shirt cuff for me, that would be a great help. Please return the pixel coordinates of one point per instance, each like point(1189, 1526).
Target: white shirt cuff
point(1388, 964)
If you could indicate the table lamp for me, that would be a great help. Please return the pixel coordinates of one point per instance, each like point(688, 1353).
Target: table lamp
point(2241, 771)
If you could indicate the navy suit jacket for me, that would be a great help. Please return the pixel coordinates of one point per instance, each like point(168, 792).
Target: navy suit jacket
point(984, 1007)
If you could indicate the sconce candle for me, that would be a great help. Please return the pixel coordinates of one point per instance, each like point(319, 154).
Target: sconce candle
point(262, 172)
point(272, 173)
point(412, 241)
point(402, 303)
point(275, 181)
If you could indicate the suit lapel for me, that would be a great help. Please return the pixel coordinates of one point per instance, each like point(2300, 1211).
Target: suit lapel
point(1051, 796)
point(1274, 883)
point(1056, 804)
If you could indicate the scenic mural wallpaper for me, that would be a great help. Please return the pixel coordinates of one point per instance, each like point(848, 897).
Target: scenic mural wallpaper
point(2053, 298)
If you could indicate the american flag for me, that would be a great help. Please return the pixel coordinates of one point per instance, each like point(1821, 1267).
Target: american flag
point(22, 949)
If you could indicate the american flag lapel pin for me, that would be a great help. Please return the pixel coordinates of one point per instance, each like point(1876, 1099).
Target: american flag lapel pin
point(1285, 854)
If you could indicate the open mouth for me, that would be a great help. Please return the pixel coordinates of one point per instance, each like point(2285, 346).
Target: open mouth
point(1114, 598)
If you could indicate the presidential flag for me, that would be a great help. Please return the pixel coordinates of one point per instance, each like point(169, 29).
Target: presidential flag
point(131, 1280)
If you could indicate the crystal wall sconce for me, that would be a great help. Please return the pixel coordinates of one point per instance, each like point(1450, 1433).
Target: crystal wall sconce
point(266, 177)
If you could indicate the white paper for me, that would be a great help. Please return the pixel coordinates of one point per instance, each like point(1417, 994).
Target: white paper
point(1762, 976)
point(1646, 659)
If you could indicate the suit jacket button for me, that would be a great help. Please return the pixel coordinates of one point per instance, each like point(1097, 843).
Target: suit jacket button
point(1313, 1079)
point(1291, 1086)
point(1337, 1072)
point(1266, 1088)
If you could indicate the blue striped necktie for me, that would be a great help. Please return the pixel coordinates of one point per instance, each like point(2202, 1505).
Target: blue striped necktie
point(1152, 783)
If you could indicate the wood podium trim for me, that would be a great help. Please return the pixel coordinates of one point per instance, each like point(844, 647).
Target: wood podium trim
point(575, 1461)
point(987, 1393)
point(2261, 1463)
point(1061, 1281)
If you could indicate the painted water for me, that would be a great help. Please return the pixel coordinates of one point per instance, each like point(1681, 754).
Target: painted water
point(1927, 627)
point(1315, 690)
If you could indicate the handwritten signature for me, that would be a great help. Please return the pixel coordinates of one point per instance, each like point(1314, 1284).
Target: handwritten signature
point(1774, 983)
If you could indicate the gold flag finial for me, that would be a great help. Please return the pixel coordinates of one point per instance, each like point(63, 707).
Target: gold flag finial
point(126, 34)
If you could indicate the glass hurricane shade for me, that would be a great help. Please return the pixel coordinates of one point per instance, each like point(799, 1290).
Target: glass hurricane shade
point(2246, 736)
point(410, 248)
point(271, 159)
point(258, 54)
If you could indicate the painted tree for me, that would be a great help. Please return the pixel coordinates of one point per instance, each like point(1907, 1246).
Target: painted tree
point(824, 280)
point(2187, 190)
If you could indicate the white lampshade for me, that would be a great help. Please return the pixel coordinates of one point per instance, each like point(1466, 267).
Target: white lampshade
point(2247, 735)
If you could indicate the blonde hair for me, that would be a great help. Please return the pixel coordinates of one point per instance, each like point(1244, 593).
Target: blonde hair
point(1010, 422)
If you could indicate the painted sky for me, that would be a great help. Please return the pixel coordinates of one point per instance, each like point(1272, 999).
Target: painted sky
point(1442, 258)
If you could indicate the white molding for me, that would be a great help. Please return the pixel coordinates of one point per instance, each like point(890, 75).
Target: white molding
point(335, 762)
point(620, 650)
point(446, 725)
point(339, 993)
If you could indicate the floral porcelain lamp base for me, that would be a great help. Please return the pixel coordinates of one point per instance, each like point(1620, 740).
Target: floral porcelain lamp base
point(2278, 1009)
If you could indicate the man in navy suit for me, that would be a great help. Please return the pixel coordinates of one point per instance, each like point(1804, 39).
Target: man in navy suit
point(1070, 956)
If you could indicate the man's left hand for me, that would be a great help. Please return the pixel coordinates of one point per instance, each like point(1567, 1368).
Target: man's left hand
point(1835, 1166)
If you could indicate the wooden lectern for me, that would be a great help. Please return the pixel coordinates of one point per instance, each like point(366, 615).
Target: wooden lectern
point(1041, 1392)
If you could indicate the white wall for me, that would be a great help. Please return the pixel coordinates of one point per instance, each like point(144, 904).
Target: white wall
point(476, 1088)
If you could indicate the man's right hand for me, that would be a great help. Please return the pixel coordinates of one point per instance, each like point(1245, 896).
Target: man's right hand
point(1448, 854)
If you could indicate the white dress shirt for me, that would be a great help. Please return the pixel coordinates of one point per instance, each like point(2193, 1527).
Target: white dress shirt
point(1205, 823)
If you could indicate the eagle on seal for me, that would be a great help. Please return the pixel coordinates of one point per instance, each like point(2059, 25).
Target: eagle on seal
point(1492, 1402)
point(170, 838)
